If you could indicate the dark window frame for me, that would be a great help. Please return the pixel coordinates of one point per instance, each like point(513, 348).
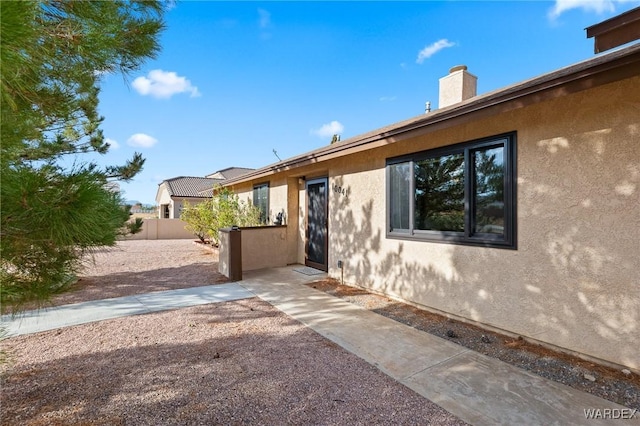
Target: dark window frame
point(508, 240)
point(264, 220)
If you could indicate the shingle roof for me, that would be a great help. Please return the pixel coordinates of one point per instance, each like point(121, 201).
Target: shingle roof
point(189, 186)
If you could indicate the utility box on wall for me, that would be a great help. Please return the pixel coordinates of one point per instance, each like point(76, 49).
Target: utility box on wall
point(230, 253)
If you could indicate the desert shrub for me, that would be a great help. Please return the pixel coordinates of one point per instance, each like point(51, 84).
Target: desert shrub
point(224, 209)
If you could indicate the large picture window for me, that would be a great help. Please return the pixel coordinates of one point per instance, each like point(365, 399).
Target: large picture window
point(462, 194)
point(261, 201)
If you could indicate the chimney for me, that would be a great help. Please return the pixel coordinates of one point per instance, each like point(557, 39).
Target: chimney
point(458, 86)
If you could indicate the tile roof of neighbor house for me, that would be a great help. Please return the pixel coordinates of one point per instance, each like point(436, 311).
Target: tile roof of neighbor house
point(189, 186)
point(200, 187)
point(602, 69)
point(223, 175)
point(230, 173)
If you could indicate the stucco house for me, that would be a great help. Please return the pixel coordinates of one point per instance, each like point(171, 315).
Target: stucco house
point(172, 193)
point(517, 210)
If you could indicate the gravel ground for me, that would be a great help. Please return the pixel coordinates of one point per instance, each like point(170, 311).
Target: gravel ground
point(241, 362)
point(605, 382)
point(134, 267)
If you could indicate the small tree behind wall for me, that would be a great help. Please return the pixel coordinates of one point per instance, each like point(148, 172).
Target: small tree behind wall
point(198, 217)
point(224, 209)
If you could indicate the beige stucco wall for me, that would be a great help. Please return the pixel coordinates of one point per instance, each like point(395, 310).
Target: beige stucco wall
point(175, 203)
point(574, 280)
point(278, 195)
point(162, 229)
point(283, 197)
point(163, 197)
point(278, 199)
point(264, 247)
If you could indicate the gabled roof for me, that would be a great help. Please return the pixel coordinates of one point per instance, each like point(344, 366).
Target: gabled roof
point(200, 187)
point(189, 186)
point(230, 173)
point(607, 68)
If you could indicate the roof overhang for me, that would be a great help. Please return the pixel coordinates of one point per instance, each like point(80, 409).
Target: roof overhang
point(594, 72)
point(616, 31)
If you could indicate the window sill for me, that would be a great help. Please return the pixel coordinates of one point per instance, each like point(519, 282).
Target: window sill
point(451, 239)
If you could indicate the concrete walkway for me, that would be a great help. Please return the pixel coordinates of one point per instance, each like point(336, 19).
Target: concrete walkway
point(99, 310)
point(478, 389)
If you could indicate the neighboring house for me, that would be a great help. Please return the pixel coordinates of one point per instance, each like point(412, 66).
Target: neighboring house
point(222, 175)
point(172, 193)
point(229, 173)
point(518, 210)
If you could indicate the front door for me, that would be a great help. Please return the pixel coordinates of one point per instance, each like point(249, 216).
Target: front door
point(317, 212)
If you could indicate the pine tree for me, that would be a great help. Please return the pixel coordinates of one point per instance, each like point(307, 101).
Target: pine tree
point(53, 55)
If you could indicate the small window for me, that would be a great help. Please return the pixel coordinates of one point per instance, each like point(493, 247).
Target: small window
point(463, 194)
point(400, 179)
point(261, 201)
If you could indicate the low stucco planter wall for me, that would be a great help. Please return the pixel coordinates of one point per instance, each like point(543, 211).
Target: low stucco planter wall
point(264, 247)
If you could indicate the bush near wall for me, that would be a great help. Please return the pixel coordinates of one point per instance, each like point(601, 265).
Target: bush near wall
point(224, 209)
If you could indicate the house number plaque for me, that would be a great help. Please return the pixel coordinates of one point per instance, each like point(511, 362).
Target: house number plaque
point(340, 190)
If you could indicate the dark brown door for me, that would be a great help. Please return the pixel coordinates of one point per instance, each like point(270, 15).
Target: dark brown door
point(317, 213)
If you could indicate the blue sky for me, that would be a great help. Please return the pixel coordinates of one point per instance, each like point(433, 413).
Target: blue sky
point(236, 80)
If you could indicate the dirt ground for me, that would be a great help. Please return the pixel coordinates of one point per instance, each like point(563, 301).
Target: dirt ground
point(239, 362)
point(605, 382)
point(232, 363)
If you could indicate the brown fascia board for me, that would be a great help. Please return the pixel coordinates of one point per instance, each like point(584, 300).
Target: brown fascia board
point(616, 31)
point(614, 66)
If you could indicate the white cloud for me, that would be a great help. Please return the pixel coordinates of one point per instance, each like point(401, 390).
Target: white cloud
point(387, 98)
point(329, 129)
point(264, 22)
point(265, 18)
point(432, 49)
point(141, 140)
point(164, 84)
point(597, 6)
point(112, 143)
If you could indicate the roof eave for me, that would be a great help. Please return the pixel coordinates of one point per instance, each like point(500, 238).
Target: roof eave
point(581, 76)
point(616, 31)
